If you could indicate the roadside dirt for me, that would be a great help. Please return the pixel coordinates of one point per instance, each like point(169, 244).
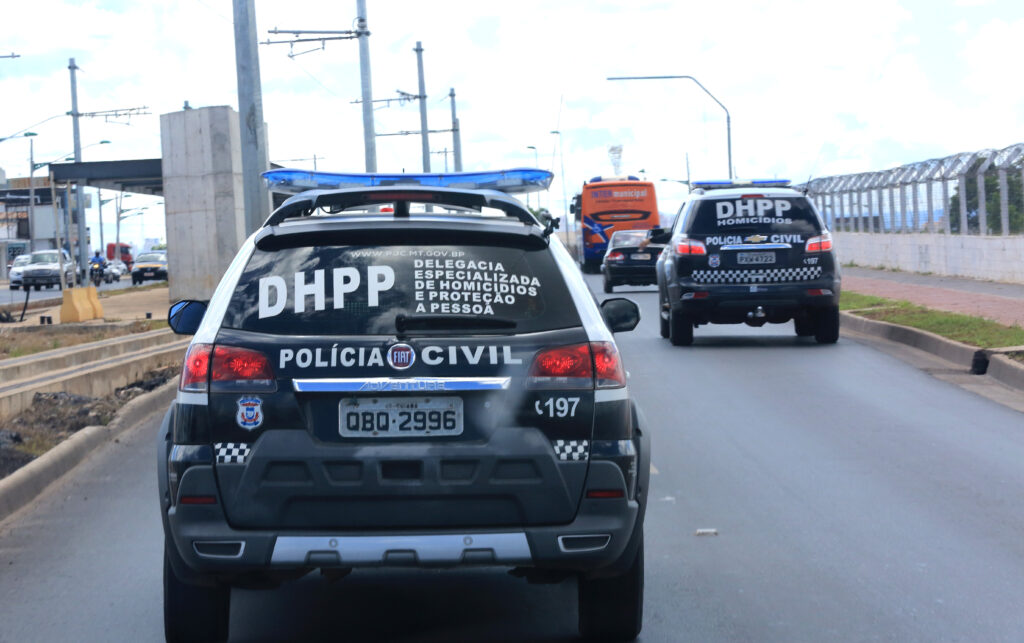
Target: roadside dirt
point(16, 343)
point(53, 417)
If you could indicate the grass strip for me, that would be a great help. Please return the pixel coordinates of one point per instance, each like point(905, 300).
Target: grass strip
point(974, 331)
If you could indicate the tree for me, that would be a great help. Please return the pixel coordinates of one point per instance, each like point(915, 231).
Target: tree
point(993, 204)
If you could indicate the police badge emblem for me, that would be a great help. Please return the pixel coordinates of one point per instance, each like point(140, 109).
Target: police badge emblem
point(250, 412)
point(714, 261)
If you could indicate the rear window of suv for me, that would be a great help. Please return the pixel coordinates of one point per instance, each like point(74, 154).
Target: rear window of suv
point(765, 214)
point(359, 290)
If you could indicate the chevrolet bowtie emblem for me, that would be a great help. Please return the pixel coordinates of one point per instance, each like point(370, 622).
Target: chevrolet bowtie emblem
point(756, 238)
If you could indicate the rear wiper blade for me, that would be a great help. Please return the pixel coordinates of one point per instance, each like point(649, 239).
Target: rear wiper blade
point(405, 323)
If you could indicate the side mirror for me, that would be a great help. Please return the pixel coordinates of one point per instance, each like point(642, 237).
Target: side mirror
point(620, 314)
point(659, 235)
point(185, 316)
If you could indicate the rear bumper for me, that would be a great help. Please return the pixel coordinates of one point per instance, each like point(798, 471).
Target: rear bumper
point(730, 303)
point(211, 547)
point(631, 274)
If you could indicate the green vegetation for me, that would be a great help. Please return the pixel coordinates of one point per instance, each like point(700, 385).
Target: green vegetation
point(974, 331)
point(993, 205)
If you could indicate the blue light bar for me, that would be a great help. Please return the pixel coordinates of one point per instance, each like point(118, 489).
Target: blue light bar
point(514, 181)
point(737, 183)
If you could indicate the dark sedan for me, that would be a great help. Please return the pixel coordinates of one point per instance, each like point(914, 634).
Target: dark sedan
point(630, 259)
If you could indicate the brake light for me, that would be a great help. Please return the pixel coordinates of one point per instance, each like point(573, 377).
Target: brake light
point(607, 365)
point(199, 500)
point(751, 196)
point(821, 243)
point(605, 494)
point(241, 368)
point(690, 247)
point(196, 369)
point(562, 367)
point(615, 256)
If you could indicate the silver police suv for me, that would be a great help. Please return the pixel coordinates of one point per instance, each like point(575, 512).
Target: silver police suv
point(402, 376)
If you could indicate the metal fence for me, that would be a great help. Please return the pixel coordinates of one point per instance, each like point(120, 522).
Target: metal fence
point(967, 193)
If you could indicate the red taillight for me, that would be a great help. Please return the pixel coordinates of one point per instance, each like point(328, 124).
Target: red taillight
point(196, 369)
point(241, 368)
point(615, 256)
point(821, 243)
point(690, 247)
point(607, 365)
point(604, 494)
point(751, 196)
point(565, 366)
point(578, 366)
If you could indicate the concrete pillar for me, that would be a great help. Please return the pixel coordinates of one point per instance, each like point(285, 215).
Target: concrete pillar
point(914, 218)
point(841, 213)
point(903, 208)
point(855, 205)
point(892, 209)
point(870, 210)
point(204, 197)
point(929, 188)
point(982, 209)
point(947, 216)
point(1004, 203)
point(962, 180)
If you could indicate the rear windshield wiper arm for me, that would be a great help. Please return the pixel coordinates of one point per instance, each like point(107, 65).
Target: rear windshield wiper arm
point(405, 323)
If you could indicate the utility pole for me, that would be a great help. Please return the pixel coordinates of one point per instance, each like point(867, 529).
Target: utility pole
point(456, 135)
point(423, 107)
point(445, 152)
point(99, 205)
point(32, 194)
point(250, 115)
point(83, 256)
point(369, 137)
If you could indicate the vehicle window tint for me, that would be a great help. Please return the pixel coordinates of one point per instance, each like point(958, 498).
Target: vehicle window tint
point(359, 290)
point(44, 257)
point(791, 215)
point(151, 257)
point(630, 238)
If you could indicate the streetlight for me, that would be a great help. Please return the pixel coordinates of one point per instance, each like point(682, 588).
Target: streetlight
point(536, 163)
point(565, 202)
point(728, 119)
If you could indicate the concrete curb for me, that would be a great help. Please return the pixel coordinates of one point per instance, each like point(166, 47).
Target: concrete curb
point(22, 486)
point(977, 360)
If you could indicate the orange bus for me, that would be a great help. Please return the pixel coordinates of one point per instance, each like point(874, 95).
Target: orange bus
point(605, 205)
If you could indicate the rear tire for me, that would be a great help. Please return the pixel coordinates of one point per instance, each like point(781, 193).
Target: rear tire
point(804, 325)
point(680, 329)
point(193, 612)
point(608, 285)
point(662, 317)
point(612, 609)
point(826, 326)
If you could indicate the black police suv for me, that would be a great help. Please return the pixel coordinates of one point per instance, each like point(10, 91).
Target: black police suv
point(630, 259)
point(402, 376)
point(750, 253)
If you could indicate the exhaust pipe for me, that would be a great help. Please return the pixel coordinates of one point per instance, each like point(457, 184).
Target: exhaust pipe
point(757, 313)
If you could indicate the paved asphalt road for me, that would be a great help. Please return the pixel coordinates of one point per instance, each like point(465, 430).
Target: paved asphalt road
point(855, 497)
point(8, 296)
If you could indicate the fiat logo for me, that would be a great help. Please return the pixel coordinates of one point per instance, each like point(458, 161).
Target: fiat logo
point(401, 356)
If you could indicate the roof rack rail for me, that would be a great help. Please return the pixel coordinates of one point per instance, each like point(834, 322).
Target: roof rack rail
point(336, 201)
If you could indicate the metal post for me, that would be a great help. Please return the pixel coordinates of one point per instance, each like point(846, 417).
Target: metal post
point(31, 194)
point(1004, 202)
point(250, 115)
point(83, 257)
point(369, 132)
point(56, 233)
point(423, 107)
point(117, 228)
point(456, 137)
point(99, 205)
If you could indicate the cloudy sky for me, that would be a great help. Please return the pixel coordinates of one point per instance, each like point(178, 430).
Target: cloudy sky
point(813, 87)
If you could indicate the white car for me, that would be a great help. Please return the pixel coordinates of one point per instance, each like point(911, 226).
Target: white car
point(16, 269)
point(115, 270)
point(43, 269)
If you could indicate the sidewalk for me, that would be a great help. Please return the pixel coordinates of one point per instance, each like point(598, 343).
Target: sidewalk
point(1001, 302)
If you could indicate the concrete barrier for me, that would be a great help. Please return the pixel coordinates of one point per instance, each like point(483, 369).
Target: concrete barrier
point(94, 302)
point(18, 368)
point(75, 306)
point(95, 380)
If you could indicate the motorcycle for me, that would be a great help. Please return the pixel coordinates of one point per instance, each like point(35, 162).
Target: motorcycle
point(96, 273)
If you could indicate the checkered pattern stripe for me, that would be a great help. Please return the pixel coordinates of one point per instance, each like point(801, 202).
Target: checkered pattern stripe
point(575, 450)
point(762, 276)
point(231, 452)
